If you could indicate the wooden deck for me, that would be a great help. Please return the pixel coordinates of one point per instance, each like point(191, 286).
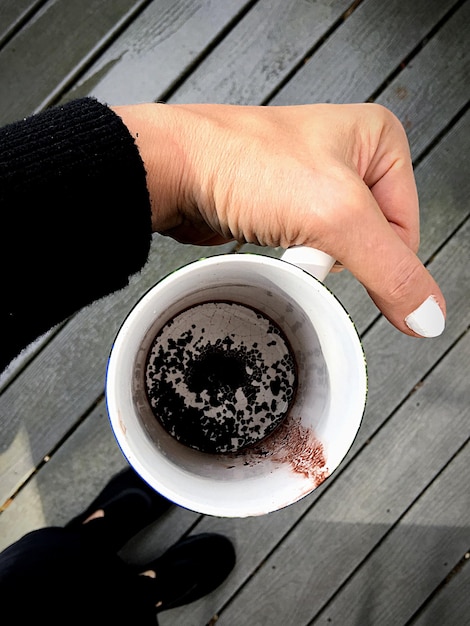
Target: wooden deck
point(385, 540)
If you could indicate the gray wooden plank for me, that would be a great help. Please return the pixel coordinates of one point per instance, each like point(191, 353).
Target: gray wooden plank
point(260, 51)
point(44, 55)
point(415, 95)
point(56, 492)
point(14, 368)
point(450, 605)
point(356, 512)
point(366, 49)
point(416, 555)
point(65, 485)
point(156, 50)
point(12, 13)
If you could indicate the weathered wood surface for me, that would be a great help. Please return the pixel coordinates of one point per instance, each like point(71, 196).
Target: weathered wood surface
point(385, 539)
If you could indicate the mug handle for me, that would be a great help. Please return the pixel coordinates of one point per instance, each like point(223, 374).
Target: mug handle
point(311, 260)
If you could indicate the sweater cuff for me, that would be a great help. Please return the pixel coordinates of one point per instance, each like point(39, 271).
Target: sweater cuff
point(75, 211)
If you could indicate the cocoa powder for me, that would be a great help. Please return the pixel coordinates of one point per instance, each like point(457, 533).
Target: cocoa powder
point(296, 445)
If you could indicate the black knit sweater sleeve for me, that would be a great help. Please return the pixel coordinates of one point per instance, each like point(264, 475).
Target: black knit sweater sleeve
point(75, 218)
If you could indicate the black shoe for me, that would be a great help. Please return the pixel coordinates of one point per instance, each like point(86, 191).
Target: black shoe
point(191, 569)
point(129, 505)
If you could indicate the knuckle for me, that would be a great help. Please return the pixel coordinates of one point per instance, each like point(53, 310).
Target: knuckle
point(403, 275)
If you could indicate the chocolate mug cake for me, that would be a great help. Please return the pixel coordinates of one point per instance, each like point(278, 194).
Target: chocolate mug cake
point(220, 376)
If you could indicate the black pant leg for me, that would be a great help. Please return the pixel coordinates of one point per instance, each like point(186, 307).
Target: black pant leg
point(53, 574)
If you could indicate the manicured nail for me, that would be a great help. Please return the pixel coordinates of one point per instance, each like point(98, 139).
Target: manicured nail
point(428, 319)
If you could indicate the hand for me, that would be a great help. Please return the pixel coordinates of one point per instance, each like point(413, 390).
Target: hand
point(335, 177)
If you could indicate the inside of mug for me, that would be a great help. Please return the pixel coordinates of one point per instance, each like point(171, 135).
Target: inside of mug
point(320, 425)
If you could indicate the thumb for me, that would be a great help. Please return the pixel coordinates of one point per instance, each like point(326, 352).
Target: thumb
point(396, 280)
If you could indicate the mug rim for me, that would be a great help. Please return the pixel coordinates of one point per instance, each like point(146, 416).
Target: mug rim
point(118, 423)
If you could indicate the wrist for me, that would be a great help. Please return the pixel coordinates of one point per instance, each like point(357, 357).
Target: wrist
point(156, 134)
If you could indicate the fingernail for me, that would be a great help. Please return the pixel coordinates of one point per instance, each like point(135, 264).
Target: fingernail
point(428, 319)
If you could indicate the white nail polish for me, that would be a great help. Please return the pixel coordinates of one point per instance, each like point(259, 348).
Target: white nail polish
point(428, 319)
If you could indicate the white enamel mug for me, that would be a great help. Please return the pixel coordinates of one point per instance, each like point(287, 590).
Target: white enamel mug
point(324, 413)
